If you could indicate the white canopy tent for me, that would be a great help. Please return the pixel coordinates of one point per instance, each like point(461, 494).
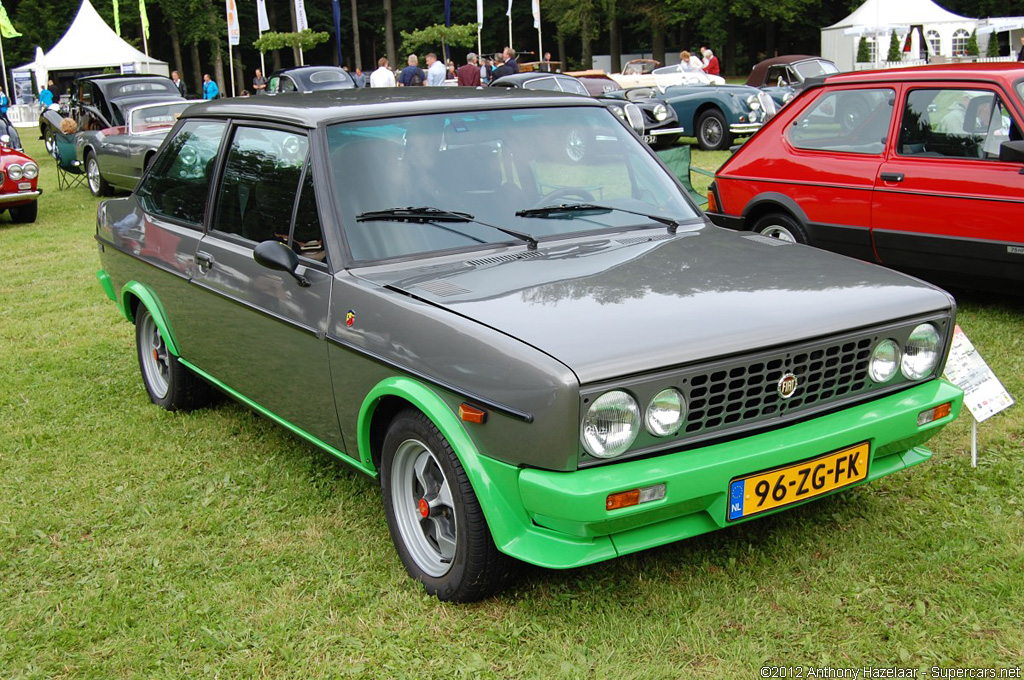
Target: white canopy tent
point(877, 19)
point(91, 44)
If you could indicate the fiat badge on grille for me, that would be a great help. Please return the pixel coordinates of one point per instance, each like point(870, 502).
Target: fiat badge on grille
point(787, 385)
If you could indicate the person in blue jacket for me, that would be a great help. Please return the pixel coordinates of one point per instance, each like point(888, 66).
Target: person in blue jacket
point(210, 89)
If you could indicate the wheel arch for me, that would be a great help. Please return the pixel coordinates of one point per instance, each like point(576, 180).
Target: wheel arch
point(708, 106)
point(134, 294)
point(495, 484)
point(771, 202)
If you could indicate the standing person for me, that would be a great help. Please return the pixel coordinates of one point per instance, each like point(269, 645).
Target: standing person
point(710, 62)
point(210, 89)
point(4, 103)
point(45, 98)
point(1020, 55)
point(690, 63)
point(486, 67)
point(359, 77)
point(436, 72)
point(412, 75)
point(259, 83)
point(469, 73)
point(510, 59)
point(178, 83)
point(502, 68)
point(383, 76)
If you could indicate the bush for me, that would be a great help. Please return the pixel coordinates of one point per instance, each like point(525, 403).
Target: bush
point(895, 51)
point(972, 44)
point(863, 52)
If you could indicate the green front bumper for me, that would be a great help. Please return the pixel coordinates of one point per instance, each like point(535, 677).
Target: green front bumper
point(560, 520)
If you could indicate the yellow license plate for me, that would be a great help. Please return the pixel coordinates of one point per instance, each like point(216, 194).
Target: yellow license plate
point(797, 482)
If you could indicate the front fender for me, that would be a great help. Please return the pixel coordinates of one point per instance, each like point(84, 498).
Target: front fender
point(149, 299)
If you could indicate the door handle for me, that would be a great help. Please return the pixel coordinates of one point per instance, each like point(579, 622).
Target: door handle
point(892, 176)
point(204, 260)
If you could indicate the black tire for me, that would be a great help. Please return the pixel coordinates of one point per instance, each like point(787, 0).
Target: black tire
point(169, 383)
point(450, 549)
point(781, 226)
point(49, 140)
point(94, 178)
point(25, 214)
point(713, 131)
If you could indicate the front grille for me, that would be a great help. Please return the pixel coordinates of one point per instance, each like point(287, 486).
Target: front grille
point(635, 117)
point(749, 391)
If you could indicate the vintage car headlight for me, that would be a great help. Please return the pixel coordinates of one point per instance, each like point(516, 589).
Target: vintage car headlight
point(611, 424)
point(30, 170)
point(921, 352)
point(885, 359)
point(14, 171)
point(665, 413)
point(660, 112)
point(753, 103)
point(619, 113)
point(788, 97)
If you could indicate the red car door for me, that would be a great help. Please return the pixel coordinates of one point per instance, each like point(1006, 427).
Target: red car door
point(943, 201)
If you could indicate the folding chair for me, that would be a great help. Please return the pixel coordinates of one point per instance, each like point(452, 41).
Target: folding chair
point(677, 158)
point(70, 171)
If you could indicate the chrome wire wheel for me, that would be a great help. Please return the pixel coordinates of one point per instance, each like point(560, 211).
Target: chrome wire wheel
point(153, 352)
point(92, 172)
point(423, 507)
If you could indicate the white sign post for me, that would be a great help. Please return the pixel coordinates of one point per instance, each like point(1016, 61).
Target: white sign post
point(984, 395)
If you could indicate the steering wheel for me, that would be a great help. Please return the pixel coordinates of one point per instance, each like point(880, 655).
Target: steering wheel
point(565, 192)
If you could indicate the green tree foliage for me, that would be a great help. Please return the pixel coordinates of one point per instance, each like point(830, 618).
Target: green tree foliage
point(863, 51)
point(972, 44)
point(459, 35)
point(993, 46)
point(895, 53)
point(304, 40)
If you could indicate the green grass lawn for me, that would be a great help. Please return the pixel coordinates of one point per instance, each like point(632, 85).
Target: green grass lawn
point(140, 543)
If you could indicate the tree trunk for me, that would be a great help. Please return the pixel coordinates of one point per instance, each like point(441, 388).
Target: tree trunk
point(389, 35)
point(770, 50)
point(728, 67)
point(562, 51)
point(218, 68)
point(658, 39)
point(179, 65)
point(197, 68)
point(295, 29)
point(275, 55)
point(614, 41)
point(239, 69)
point(355, 37)
point(586, 46)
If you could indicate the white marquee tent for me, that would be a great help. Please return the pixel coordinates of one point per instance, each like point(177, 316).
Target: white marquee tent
point(91, 44)
point(876, 19)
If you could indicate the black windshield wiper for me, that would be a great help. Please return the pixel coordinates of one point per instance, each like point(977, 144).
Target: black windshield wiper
point(426, 214)
point(569, 209)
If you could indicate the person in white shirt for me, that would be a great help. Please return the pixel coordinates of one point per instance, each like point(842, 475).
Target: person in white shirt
point(436, 72)
point(383, 76)
point(690, 63)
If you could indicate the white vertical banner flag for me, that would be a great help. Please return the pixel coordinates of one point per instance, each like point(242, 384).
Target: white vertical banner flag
point(509, 12)
point(234, 32)
point(300, 15)
point(536, 14)
point(261, 15)
point(479, 13)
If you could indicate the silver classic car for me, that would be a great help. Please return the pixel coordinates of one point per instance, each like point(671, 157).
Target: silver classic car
point(115, 157)
point(502, 307)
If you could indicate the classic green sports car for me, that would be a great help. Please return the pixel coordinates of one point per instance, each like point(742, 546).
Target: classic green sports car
point(503, 307)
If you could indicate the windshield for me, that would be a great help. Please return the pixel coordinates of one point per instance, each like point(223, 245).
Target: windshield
point(815, 67)
point(157, 117)
point(490, 165)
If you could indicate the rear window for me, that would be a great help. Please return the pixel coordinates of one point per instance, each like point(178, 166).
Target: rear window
point(846, 121)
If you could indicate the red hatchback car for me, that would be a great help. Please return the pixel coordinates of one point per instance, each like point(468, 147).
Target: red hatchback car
point(920, 169)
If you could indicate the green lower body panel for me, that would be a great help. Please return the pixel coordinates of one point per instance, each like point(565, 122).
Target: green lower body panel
point(564, 521)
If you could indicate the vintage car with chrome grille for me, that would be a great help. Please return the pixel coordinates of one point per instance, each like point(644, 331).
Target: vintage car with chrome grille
point(650, 116)
point(19, 182)
point(549, 357)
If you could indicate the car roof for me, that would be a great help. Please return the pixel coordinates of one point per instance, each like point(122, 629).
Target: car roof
point(333, 106)
point(984, 71)
point(304, 70)
point(519, 78)
point(757, 73)
point(125, 77)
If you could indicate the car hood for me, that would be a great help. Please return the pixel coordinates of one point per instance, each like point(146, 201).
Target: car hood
point(645, 300)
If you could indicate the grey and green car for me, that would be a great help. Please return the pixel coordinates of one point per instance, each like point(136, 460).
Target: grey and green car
point(502, 307)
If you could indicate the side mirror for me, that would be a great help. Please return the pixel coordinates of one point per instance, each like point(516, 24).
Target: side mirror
point(276, 255)
point(1012, 152)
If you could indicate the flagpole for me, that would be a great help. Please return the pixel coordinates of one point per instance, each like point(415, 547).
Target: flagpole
point(510, 30)
point(263, 65)
point(145, 47)
point(479, 44)
point(231, 65)
point(3, 65)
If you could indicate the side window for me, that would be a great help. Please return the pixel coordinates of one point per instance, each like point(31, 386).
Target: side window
point(307, 237)
point(178, 184)
point(542, 84)
point(776, 76)
point(259, 184)
point(954, 122)
point(850, 121)
point(85, 93)
point(286, 84)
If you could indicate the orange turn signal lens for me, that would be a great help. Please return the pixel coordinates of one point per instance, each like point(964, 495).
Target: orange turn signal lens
point(933, 414)
point(712, 203)
point(625, 499)
point(472, 414)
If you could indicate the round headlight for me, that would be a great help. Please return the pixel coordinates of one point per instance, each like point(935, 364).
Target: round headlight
point(665, 413)
point(611, 425)
point(753, 102)
point(30, 170)
point(14, 171)
point(660, 112)
point(922, 351)
point(885, 359)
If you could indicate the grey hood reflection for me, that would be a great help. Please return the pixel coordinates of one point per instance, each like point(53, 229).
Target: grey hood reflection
point(647, 300)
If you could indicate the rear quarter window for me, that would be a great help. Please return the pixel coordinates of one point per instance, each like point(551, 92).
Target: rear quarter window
point(845, 121)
